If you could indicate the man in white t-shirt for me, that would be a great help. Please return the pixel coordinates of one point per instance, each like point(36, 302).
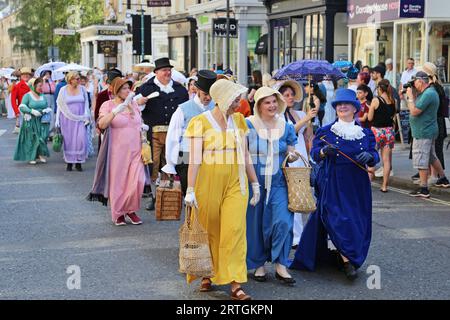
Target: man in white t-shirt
point(407, 75)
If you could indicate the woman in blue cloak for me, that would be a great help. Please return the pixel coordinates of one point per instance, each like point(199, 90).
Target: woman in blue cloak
point(341, 227)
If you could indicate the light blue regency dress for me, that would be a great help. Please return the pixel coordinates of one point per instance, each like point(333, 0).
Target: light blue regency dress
point(269, 223)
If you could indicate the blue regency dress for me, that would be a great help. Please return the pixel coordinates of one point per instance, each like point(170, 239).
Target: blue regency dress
point(344, 200)
point(269, 223)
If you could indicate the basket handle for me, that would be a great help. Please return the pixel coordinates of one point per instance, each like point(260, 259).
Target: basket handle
point(187, 216)
point(307, 165)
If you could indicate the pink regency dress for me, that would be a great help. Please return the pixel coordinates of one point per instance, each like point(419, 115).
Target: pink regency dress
point(126, 169)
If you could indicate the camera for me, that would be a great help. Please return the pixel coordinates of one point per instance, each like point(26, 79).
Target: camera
point(409, 84)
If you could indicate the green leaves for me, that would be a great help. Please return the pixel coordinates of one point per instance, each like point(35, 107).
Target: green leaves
point(35, 25)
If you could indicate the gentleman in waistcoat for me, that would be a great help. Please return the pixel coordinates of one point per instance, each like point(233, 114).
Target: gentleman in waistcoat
point(177, 148)
point(158, 111)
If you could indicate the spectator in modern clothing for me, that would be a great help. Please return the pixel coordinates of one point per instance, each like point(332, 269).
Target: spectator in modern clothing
point(352, 76)
point(365, 96)
point(371, 83)
point(381, 114)
point(390, 72)
point(257, 83)
point(377, 74)
point(407, 75)
point(423, 120)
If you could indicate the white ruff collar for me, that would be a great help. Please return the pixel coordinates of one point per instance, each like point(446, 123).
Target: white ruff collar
point(166, 89)
point(347, 130)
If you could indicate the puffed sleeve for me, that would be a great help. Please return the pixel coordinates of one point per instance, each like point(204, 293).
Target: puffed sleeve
point(24, 105)
point(194, 128)
point(105, 108)
point(372, 148)
point(291, 136)
point(241, 123)
point(318, 144)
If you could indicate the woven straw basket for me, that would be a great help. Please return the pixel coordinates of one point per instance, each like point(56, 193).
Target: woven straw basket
point(299, 189)
point(195, 255)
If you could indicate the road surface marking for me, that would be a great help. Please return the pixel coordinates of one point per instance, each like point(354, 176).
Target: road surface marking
point(2, 132)
point(438, 201)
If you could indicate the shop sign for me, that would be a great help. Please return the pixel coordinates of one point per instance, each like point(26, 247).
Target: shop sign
point(220, 28)
point(370, 11)
point(158, 3)
point(108, 48)
point(110, 32)
point(412, 8)
point(179, 29)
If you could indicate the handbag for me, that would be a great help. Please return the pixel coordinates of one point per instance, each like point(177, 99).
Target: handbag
point(195, 255)
point(146, 150)
point(46, 118)
point(57, 140)
point(299, 187)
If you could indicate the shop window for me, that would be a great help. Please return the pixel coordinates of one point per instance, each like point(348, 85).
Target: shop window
point(253, 35)
point(410, 43)
point(313, 40)
point(438, 49)
point(177, 52)
point(297, 38)
point(363, 45)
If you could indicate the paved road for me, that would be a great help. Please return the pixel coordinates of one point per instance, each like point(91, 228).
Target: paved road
point(47, 226)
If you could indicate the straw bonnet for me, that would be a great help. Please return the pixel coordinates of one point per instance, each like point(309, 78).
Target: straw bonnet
point(118, 83)
point(298, 92)
point(429, 68)
point(25, 70)
point(265, 92)
point(224, 92)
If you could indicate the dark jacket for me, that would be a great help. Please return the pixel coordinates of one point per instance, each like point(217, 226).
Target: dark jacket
point(158, 111)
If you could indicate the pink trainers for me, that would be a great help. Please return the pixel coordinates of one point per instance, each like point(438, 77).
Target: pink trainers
point(120, 221)
point(134, 218)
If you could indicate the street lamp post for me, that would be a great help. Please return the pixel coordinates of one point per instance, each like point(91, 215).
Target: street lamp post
point(52, 54)
point(228, 34)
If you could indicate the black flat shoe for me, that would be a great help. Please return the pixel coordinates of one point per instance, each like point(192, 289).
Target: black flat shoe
point(69, 167)
point(260, 278)
point(287, 281)
point(78, 167)
point(350, 271)
point(384, 191)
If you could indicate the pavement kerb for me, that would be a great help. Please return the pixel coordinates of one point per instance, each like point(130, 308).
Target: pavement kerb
point(403, 183)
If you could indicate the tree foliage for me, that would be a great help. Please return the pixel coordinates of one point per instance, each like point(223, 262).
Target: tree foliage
point(35, 29)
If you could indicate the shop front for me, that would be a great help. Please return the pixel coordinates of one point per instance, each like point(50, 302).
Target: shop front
point(183, 43)
point(106, 47)
point(306, 29)
point(400, 29)
point(247, 25)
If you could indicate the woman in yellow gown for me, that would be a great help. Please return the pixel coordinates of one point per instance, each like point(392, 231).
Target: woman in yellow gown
point(217, 185)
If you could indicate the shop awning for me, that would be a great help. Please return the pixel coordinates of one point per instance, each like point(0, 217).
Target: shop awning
point(262, 44)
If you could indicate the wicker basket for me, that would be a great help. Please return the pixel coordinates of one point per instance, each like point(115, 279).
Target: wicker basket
point(195, 255)
point(299, 189)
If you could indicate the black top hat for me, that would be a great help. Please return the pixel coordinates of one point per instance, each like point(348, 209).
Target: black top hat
point(206, 78)
point(162, 63)
point(114, 73)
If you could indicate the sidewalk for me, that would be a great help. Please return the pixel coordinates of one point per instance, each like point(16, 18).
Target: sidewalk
point(403, 170)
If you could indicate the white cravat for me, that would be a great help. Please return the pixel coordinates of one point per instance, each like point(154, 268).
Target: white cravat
point(199, 103)
point(166, 89)
point(347, 130)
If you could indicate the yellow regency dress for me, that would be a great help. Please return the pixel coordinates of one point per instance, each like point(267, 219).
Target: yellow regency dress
point(222, 204)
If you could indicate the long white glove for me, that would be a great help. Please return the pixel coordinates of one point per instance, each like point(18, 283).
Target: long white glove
point(189, 199)
point(47, 110)
point(256, 194)
point(35, 113)
point(293, 156)
point(153, 95)
point(121, 107)
point(27, 117)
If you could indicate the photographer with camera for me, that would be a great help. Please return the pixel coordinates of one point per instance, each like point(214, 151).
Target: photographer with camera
point(423, 121)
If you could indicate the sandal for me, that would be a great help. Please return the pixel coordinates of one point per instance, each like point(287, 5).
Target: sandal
point(206, 285)
point(241, 296)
